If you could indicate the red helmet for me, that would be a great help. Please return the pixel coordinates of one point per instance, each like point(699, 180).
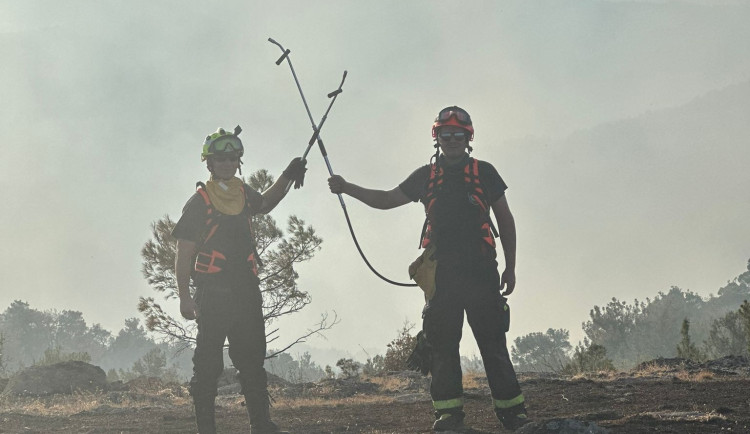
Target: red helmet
point(455, 116)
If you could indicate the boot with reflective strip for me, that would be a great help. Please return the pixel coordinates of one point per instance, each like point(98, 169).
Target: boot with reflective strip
point(449, 421)
point(512, 418)
point(449, 415)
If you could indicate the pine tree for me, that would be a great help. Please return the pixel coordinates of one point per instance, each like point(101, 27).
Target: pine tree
point(278, 278)
point(545, 352)
point(588, 357)
point(745, 314)
point(686, 349)
point(727, 336)
point(399, 349)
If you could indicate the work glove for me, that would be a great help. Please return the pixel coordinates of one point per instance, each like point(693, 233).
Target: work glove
point(189, 308)
point(420, 359)
point(295, 171)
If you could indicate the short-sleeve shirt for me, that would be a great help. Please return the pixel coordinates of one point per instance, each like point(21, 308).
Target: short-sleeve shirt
point(415, 186)
point(236, 237)
point(456, 228)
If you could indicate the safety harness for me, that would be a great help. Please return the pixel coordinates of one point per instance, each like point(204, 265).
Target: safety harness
point(209, 259)
point(476, 196)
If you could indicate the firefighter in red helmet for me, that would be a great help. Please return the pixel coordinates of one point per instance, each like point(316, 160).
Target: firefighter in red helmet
point(459, 194)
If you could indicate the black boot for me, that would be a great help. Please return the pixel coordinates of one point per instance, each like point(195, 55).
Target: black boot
point(258, 408)
point(205, 414)
point(514, 417)
point(450, 420)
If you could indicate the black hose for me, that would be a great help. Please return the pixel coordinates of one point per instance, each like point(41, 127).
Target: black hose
point(356, 243)
point(316, 137)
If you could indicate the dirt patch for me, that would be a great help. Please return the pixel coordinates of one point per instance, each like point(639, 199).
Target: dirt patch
point(675, 399)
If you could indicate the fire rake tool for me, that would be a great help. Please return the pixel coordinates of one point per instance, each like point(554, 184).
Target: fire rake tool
point(316, 128)
point(316, 138)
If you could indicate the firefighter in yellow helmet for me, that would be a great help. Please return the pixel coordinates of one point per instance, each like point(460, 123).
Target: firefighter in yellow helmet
point(216, 247)
point(459, 193)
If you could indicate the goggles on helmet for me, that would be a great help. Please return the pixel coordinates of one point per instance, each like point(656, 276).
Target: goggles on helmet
point(222, 142)
point(455, 116)
point(461, 116)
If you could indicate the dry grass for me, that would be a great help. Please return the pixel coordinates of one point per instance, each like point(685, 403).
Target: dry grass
point(66, 405)
point(679, 416)
point(292, 403)
point(390, 384)
point(656, 370)
point(56, 405)
point(695, 376)
point(386, 388)
point(598, 375)
point(679, 372)
point(474, 380)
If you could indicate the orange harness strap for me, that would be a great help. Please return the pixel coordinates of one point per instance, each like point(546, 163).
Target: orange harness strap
point(476, 196)
point(213, 261)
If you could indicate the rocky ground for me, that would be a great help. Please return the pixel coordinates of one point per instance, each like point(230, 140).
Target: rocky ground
point(667, 396)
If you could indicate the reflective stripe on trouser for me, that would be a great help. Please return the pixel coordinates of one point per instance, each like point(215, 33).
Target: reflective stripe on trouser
point(476, 292)
point(448, 404)
point(235, 315)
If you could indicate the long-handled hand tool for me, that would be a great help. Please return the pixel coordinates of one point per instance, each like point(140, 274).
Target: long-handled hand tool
point(316, 129)
point(316, 137)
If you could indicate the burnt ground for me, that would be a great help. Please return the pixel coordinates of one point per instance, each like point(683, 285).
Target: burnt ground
point(667, 397)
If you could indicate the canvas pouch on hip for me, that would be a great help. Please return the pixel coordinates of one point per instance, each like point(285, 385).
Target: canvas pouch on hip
point(422, 271)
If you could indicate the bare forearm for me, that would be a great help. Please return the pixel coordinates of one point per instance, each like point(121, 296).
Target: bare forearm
point(506, 226)
point(379, 199)
point(274, 194)
point(183, 267)
point(507, 231)
point(375, 198)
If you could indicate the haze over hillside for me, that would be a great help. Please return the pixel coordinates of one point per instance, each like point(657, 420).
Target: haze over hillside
point(632, 196)
point(620, 127)
point(655, 195)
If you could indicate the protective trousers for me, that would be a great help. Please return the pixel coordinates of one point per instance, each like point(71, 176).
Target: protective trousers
point(234, 313)
point(474, 289)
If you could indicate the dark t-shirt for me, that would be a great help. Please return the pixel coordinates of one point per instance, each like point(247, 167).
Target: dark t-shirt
point(456, 224)
point(415, 186)
point(233, 233)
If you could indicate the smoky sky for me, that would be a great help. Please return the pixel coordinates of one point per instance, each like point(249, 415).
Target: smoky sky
point(620, 128)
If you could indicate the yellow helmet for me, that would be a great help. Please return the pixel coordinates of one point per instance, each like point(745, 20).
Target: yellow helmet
point(222, 142)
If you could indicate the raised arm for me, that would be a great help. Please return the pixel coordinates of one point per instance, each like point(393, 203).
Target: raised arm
point(273, 195)
point(295, 172)
point(380, 199)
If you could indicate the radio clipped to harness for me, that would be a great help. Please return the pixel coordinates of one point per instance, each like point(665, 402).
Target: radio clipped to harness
point(504, 314)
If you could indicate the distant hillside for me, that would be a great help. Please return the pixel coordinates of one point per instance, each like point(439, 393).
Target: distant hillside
point(641, 192)
point(671, 150)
